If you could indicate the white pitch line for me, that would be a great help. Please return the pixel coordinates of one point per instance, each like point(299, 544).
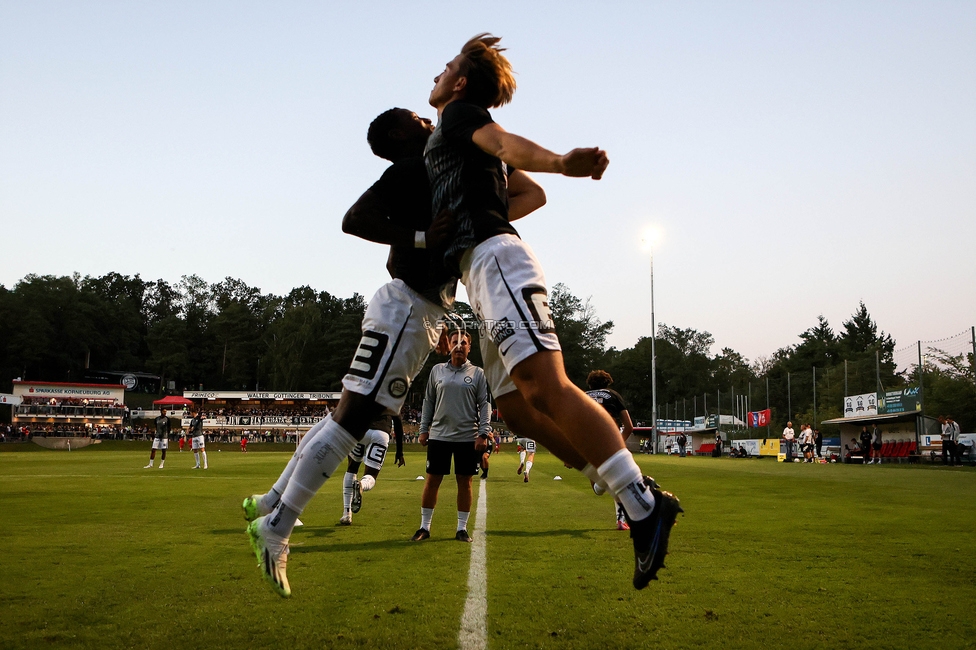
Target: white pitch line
point(474, 621)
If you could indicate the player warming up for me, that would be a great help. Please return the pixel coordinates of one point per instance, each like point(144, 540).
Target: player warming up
point(197, 442)
point(160, 440)
point(599, 381)
point(467, 159)
point(371, 451)
point(397, 331)
point(526, 450)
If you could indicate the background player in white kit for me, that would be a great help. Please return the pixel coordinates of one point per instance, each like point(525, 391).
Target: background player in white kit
point(197, 441)
point(599, 382)
point(160, 439)
point(371, 452)
point(526, 449)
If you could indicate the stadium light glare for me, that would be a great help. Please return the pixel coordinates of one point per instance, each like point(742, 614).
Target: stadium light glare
point(650, 237)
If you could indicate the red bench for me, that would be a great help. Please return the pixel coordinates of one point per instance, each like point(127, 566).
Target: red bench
point(706, 449)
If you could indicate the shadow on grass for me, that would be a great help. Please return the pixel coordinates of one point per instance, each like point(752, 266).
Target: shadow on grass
point(579, 534)
point(386, 544)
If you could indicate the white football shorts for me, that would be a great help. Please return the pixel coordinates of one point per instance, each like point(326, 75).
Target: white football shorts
point(507, 291)
point(198, 442)
point(400, 329)
point(371, 450)
point(528, 444)
point(160, 443)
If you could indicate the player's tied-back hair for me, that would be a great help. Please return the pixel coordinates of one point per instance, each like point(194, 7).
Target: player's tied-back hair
point(490, 80)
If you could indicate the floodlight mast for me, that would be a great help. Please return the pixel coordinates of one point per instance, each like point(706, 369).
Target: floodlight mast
point(648, 241)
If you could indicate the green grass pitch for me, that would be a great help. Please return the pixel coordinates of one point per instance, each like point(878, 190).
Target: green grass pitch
point(101, 553)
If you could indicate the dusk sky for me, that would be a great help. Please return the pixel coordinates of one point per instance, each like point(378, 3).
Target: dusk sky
point(797, 158)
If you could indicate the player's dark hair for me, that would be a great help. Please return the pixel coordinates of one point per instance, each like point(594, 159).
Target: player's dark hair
point(490, 81)
point(378, 135)
point(599, 379)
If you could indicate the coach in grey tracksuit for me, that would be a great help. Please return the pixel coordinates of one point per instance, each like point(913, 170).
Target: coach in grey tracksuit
point(454, 425)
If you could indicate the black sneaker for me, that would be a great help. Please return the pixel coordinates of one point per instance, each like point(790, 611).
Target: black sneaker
point(484, 474)
point(357, 497)
point(420, 535)
point(462, 536)
point(651, 536)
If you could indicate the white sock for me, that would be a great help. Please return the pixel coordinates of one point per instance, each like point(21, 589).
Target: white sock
point(196, 457)
point(347, 480)
point(591, 473)
point(528, 467)
point(150, 462)
point(620, 511)
point(268, 502)
point(161, 464)
point(463, 520)
point(624, 479)
point(282, 483)
point(521, 458)
point(204, 454)
point(282, 520)
point(316, 463)
point(426, 514)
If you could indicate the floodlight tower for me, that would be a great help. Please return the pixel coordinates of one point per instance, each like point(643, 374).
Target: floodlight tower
point(650, 237)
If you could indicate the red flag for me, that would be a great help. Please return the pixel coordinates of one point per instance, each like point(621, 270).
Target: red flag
point(759, 418)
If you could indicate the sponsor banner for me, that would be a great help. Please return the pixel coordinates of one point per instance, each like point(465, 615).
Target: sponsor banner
point(759, 419)
point(12, 400)
point(856, 406)
point(273, 421)
point(80, 391)
point(671, 426)
point(247, 395)
point(905, 400)
point(769, 447)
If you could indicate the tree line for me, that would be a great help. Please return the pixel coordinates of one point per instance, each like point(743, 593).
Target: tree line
point(231, 336)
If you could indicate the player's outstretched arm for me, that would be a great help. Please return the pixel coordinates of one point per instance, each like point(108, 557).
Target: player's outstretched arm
point(525, 196)
point(528, 156)
point(368, 219)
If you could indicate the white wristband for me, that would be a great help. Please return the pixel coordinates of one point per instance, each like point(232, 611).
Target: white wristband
point(420, 239)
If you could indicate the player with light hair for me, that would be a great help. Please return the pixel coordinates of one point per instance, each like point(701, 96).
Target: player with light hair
point(468, 157)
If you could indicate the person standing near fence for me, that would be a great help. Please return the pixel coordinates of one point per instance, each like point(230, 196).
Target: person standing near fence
point(788, 436)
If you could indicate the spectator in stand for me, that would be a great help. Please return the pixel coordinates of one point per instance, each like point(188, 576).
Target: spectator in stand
point(788, 436)
point(866, 445)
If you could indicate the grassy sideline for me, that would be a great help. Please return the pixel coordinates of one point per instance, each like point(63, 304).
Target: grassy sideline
point(104, 554)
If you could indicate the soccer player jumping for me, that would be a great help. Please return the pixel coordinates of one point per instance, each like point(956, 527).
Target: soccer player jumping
point(466, 160)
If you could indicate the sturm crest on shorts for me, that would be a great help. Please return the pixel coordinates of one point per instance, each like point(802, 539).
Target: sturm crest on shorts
point(397, 387)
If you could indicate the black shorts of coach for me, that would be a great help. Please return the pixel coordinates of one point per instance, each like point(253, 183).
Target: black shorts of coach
point(440, 453)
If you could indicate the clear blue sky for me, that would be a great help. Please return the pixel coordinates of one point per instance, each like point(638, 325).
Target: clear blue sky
point(797, 157)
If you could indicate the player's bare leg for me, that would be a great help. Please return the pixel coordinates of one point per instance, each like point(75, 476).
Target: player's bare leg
point(542, 380)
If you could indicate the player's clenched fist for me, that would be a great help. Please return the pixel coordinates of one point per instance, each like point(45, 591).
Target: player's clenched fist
point(591, 161)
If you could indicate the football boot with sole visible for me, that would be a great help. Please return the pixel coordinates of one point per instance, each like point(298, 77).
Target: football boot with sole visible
point(420, 535)
point(622, 525)
point(521, 467)
point(651, 536)
point(357, 496)
point(272, 554)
